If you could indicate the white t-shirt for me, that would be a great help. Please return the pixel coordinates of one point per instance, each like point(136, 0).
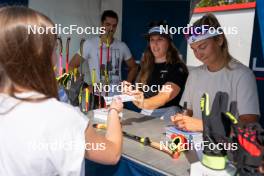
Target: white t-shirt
point(239, 82)
point(118, 52)
point(41, 138)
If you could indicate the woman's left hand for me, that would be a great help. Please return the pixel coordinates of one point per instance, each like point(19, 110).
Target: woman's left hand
point(139, 98)
point(187, 123)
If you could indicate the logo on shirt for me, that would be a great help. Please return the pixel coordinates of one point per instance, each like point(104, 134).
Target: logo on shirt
point(163, 73)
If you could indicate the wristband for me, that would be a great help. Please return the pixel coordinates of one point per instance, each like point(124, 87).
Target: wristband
point(113, 109)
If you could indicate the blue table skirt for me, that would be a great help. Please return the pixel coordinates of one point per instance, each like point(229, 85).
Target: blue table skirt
point(123, 167)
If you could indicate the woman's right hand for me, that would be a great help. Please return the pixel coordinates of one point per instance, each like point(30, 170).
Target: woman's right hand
point(187, 123)
point(117, 104)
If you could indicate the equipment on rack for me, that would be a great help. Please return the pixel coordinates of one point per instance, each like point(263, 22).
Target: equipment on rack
point(67, 53)
point(60, 57)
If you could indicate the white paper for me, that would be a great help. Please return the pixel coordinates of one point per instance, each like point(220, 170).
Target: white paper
point(124, 98)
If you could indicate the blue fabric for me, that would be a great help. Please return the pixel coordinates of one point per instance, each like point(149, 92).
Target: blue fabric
point(123, 167)
point(137, 15)
point(13, 2)
point(260, 14)
point(257, 46)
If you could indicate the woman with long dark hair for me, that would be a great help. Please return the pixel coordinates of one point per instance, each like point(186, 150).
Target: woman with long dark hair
point(163, 72)
point(40, 135)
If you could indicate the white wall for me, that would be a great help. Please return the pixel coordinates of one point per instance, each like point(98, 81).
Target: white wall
point(84, 13)
point(67, 12)
point(240, 44)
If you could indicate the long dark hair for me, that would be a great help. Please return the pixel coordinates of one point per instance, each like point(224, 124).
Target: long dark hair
point(26, 57)
point(4, 81)
point(148, 60)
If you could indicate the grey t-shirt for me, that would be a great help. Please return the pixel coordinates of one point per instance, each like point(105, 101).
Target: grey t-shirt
point(118, 52)
point(238, 81)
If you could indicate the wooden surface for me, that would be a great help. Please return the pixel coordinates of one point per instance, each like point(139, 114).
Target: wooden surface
point(154, 128)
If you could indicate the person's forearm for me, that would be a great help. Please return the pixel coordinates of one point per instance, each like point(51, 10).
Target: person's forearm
point(167, 93)
point(107, 148)
point(114, 131)
point(200, 126)
point(152, 102)
point(112, 141)
point(132, 73)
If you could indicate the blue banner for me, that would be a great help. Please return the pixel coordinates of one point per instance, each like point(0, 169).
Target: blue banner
point(13, 2)
point(260, 15)
point(125, 167)
point(257, 53)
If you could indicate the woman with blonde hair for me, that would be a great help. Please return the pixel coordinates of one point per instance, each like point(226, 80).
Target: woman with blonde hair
point(40, 135)
point(219, 72)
